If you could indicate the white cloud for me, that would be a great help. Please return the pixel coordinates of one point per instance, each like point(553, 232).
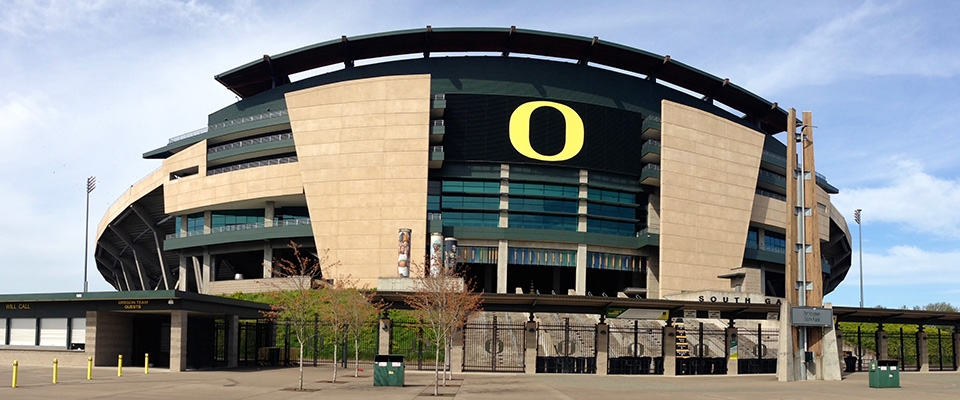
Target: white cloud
point(910, 265)
point(914, 199)
point(875, 39)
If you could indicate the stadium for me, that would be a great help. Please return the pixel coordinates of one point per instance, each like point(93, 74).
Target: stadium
point(544, 163)
point(622, 213)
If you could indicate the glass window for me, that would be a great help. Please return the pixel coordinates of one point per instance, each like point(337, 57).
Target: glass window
point(752, 238)
point(471, 202)
point(611, 227)
point(773, 241)
point(611, 195)
point(552, 222)
point(543, 205)
point(453, 218)
point(608, 210)
point(537, 189)
point(471, 187)
point(195, 222)
point(236, 217)
point(433, 203)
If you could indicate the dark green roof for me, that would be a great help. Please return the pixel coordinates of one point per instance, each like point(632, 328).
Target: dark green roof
point(261, 75)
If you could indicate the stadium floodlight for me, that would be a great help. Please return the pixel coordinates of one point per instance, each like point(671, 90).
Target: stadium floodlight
point(856, 217)
point(91, 184)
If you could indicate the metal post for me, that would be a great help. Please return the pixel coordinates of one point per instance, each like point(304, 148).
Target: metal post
point(55, 362)
point(636, 334)
point(940, 347)
point(146, 363)
point(120, 365)
point(91, 184)
point(859, 351)
point(856, 217)
point(89, 368)
point(16, 369)
point(903, 355)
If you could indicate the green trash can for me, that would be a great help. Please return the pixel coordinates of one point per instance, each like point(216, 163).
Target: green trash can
point(885, 374)
point(388, 370)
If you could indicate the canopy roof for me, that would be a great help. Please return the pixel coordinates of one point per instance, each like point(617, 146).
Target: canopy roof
point(271, 71)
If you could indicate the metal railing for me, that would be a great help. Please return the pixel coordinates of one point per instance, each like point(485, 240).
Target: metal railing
point(251, 142)
point(652, 228)
point(242, 227)
point(436, 122)
point(232, 122)
point(253, 164)
point(436, 149)
point(767, 193)
point(655, 167)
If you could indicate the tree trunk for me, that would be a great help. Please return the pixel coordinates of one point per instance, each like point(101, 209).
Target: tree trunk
point(301, 366)
point(446, 353)
point(356, 355)
point(436, 371)
point(336, 345)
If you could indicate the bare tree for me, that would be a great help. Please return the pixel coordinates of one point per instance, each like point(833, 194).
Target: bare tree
point(444, 303)
point(296, 298)
point(362, 311)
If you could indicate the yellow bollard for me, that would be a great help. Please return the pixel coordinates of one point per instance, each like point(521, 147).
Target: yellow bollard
point(146, 363)
point(16, 369)
point(54, 370)
point(120, 365)
point(89, 368)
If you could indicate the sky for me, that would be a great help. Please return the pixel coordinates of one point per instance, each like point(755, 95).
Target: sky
point(86, 87)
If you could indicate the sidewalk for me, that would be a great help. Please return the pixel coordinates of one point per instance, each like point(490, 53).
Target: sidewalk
point(36, 383)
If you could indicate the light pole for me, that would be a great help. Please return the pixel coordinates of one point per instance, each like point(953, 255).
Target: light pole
point(856, 217)
point(91, 184)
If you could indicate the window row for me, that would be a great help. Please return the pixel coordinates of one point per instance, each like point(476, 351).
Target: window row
point(471, 202)
point(471, 187)
point(491, 220)
point(611, 227)
point(543, 205)
point(611, 195)
point(551, 222)
point(606, 210)
point(52, 332)
point(538, 189)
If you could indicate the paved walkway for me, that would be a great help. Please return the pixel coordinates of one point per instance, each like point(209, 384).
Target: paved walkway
point(36, 383)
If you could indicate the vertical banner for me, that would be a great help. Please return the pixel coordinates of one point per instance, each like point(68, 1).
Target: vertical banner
point(403, 253)
point(436, 253)
point(450, 254)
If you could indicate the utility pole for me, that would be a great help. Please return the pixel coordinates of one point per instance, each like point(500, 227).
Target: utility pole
point(91, 184)
point(856, 217)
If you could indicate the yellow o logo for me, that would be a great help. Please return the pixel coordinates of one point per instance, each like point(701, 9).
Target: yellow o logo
point(520, 131)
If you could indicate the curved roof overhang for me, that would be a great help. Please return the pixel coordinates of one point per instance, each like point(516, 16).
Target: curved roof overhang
point(272, 71)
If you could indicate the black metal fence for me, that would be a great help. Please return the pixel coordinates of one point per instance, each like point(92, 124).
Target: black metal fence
point(416, 345)
point(941, 350)
point(567, 348)
point(757, 350)
point(635, 348)
point(707, 349)
point(493, 346)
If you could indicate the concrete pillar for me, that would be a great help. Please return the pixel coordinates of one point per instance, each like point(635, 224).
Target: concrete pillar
point(207, 222)
point(267, 260)
point(182, 274)
point(603, 339)
point(830, 362)
point(90, 339)
point(653, 277)
point(733, 351)
point(882, 344)
point(178, 340)
point(669, 350)
point(386, 336)
point(956, 345)
point(269, 212)
point(233, 340)
point(456, 352)
point(502, 256)
point(581, 275)
point(923, 350)
point(203, 286)
point(530, 347)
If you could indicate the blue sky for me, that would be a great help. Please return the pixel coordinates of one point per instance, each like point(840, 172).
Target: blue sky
point(87, 86)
